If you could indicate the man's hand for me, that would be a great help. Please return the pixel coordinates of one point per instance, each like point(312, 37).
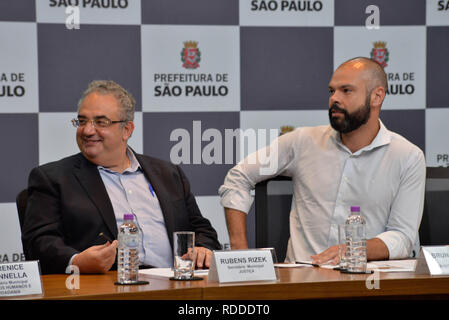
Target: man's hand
point(203, 256)
point(328, 256)
point(96, 259)
point(375, 250)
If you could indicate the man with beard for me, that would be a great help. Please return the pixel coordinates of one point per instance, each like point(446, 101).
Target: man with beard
point(354, 161)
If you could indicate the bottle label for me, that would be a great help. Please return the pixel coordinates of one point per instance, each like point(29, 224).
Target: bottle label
point(131, 241)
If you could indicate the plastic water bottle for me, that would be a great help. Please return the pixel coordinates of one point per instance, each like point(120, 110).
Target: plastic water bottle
point(128, 251)
point(355, 229)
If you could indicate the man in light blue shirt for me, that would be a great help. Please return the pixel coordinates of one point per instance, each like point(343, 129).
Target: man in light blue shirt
point(130, 191)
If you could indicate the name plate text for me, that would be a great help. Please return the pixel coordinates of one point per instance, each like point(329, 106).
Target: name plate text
point(20, 278)
point(242, 265)
point(437, 259)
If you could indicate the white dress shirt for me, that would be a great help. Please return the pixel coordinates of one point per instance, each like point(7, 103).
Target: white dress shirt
point(386, 179)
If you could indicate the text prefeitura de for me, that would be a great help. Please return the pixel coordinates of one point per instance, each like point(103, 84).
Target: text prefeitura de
point(190, 77)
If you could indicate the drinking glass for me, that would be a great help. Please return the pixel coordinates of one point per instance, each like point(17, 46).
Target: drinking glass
point(184, 254)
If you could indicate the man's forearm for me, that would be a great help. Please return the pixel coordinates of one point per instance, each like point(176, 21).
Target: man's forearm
point(376, 250)
point(236, 223)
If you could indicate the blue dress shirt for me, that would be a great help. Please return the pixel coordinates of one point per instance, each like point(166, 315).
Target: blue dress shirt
point(131, 192)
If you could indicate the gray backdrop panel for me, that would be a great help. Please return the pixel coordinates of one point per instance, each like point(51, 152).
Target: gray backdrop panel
point(69, 60)
point(413, 129)
point(205, 179)
point(17, 10)
point(285, 68)
point(20, 152)
point(438, 67)
point(196, 12)
point(397, 12)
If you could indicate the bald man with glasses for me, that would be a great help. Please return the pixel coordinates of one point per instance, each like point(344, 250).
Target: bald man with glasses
point(74, 200)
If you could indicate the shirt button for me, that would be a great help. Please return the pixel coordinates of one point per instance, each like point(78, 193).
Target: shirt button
point(130, 191)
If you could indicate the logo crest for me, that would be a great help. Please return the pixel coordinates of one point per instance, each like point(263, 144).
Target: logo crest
point(380, 53)
point(190, 55)
point(286, 129)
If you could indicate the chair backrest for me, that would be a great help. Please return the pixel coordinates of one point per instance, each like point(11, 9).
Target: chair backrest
point(434, 228)
point(21, 202)
point(273, 200)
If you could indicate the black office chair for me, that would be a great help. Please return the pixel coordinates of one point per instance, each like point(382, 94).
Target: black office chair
point(273, 199)
point(434, 228)
point(21, 203)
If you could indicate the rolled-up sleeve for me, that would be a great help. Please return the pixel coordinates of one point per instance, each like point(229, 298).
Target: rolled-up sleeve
point(263, 164)
point(235, 192)
point(398, 245)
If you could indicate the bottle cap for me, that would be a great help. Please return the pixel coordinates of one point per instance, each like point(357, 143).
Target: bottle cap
point(355, 209)
point(128, 216)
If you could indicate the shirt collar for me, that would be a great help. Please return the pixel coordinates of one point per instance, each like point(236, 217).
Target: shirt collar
point(382, 138)
point(134, 165)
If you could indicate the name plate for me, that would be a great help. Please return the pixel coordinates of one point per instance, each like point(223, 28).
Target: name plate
point(242, 265)
point(437, 259)
point(20, 279)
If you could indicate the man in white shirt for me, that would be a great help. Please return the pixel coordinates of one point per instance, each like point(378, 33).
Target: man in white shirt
point(355, 161)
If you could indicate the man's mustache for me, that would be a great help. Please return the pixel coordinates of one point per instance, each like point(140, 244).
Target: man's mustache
point(336, 108)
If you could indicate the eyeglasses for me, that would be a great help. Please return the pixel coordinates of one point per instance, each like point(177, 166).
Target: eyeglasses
point(97, 123)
